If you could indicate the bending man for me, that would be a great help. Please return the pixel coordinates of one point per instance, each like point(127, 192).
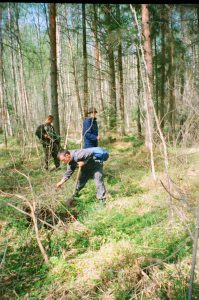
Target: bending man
point(91, 163)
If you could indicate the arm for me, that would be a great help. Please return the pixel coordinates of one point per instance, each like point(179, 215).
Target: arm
point(40, 132)
point(70, 170)
point(56, 137)
point(51, 133)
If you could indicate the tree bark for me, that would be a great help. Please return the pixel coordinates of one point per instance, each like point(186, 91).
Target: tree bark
point(139, 126)
point(74, 72)
point(111, 60)
point(2, 96)
point(14, 89)
point(53, 56)
point(171, 71)
point(149, 73)
point(85, 62)
point(97, 57)
point(121, 79)
point(198, 17)
point(162, 85)
point(156, 78)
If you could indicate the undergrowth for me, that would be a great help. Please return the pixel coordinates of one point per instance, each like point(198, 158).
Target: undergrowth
point(134, 248)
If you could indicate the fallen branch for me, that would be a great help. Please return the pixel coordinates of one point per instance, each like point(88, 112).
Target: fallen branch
point(32, 215)
point(173, 196)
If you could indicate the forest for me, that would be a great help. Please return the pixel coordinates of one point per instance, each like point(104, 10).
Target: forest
point(138, 66)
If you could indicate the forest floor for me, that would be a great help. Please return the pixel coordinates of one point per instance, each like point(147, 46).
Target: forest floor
point(139, 246)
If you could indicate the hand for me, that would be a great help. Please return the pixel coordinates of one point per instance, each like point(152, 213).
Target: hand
point(98, 138)
point(59, 184)
point(80, 163)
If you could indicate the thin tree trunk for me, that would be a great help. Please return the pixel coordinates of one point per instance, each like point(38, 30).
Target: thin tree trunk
point(74, 72)
point(41, 62)
point(85, 71)
point(27, 117)
point(60, 75)
point(139, 127)
point(149, 70)
point(2, 96)
point(97, 57)
point(53, 56)
point(171, 83)
point(156, 78)
point(14, 91)
point(198, 17)
point(152, 105)
point(162, 84)
point(121, 79)
point(19, 80)
point(111, 60)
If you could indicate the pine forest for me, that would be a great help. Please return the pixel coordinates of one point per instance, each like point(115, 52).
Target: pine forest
point(107, 92)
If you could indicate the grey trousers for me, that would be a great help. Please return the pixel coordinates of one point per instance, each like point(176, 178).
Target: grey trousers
point(93, 171)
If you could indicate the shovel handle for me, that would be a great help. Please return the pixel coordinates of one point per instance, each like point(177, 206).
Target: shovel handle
point(78, 174)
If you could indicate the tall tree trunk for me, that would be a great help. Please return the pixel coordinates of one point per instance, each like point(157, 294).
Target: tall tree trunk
point(156, 84)
point(25, 109)
point(53, 56)
point(74, 72)
point(97, 57)
point(149, 70)
point(14, 90)
point(121, 79)
point(27, 115)
point(182, 67)
point(41, 62)
point(85, 63)
point(111, 60)
point(2, 96)
point(198, 17)
point(162, 82)
point(139, 126)
point(171, 71)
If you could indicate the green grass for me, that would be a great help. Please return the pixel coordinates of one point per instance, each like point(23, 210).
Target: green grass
point(134, 229)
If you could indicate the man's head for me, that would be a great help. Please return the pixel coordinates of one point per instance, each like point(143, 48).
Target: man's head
point(92, 112)
point(64, 156)
point(49, 119)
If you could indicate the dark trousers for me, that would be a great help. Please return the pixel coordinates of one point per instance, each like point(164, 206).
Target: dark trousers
point(92, 171)
point(51, 150)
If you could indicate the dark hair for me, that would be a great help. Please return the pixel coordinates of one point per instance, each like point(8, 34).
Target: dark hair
point(63, 152)
point(50, 116)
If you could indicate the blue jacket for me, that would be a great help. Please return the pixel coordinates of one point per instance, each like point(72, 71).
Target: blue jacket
point(90, 132)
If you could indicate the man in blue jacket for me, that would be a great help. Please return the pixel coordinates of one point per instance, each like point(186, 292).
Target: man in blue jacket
point(90, 129)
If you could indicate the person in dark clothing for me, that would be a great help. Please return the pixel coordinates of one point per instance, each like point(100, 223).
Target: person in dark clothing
point(49, 140)
point(90, 129)
point(91, 168)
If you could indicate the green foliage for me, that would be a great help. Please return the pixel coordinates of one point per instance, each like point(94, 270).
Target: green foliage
point(135, 215)
point(122, 224)
point(136, 142)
